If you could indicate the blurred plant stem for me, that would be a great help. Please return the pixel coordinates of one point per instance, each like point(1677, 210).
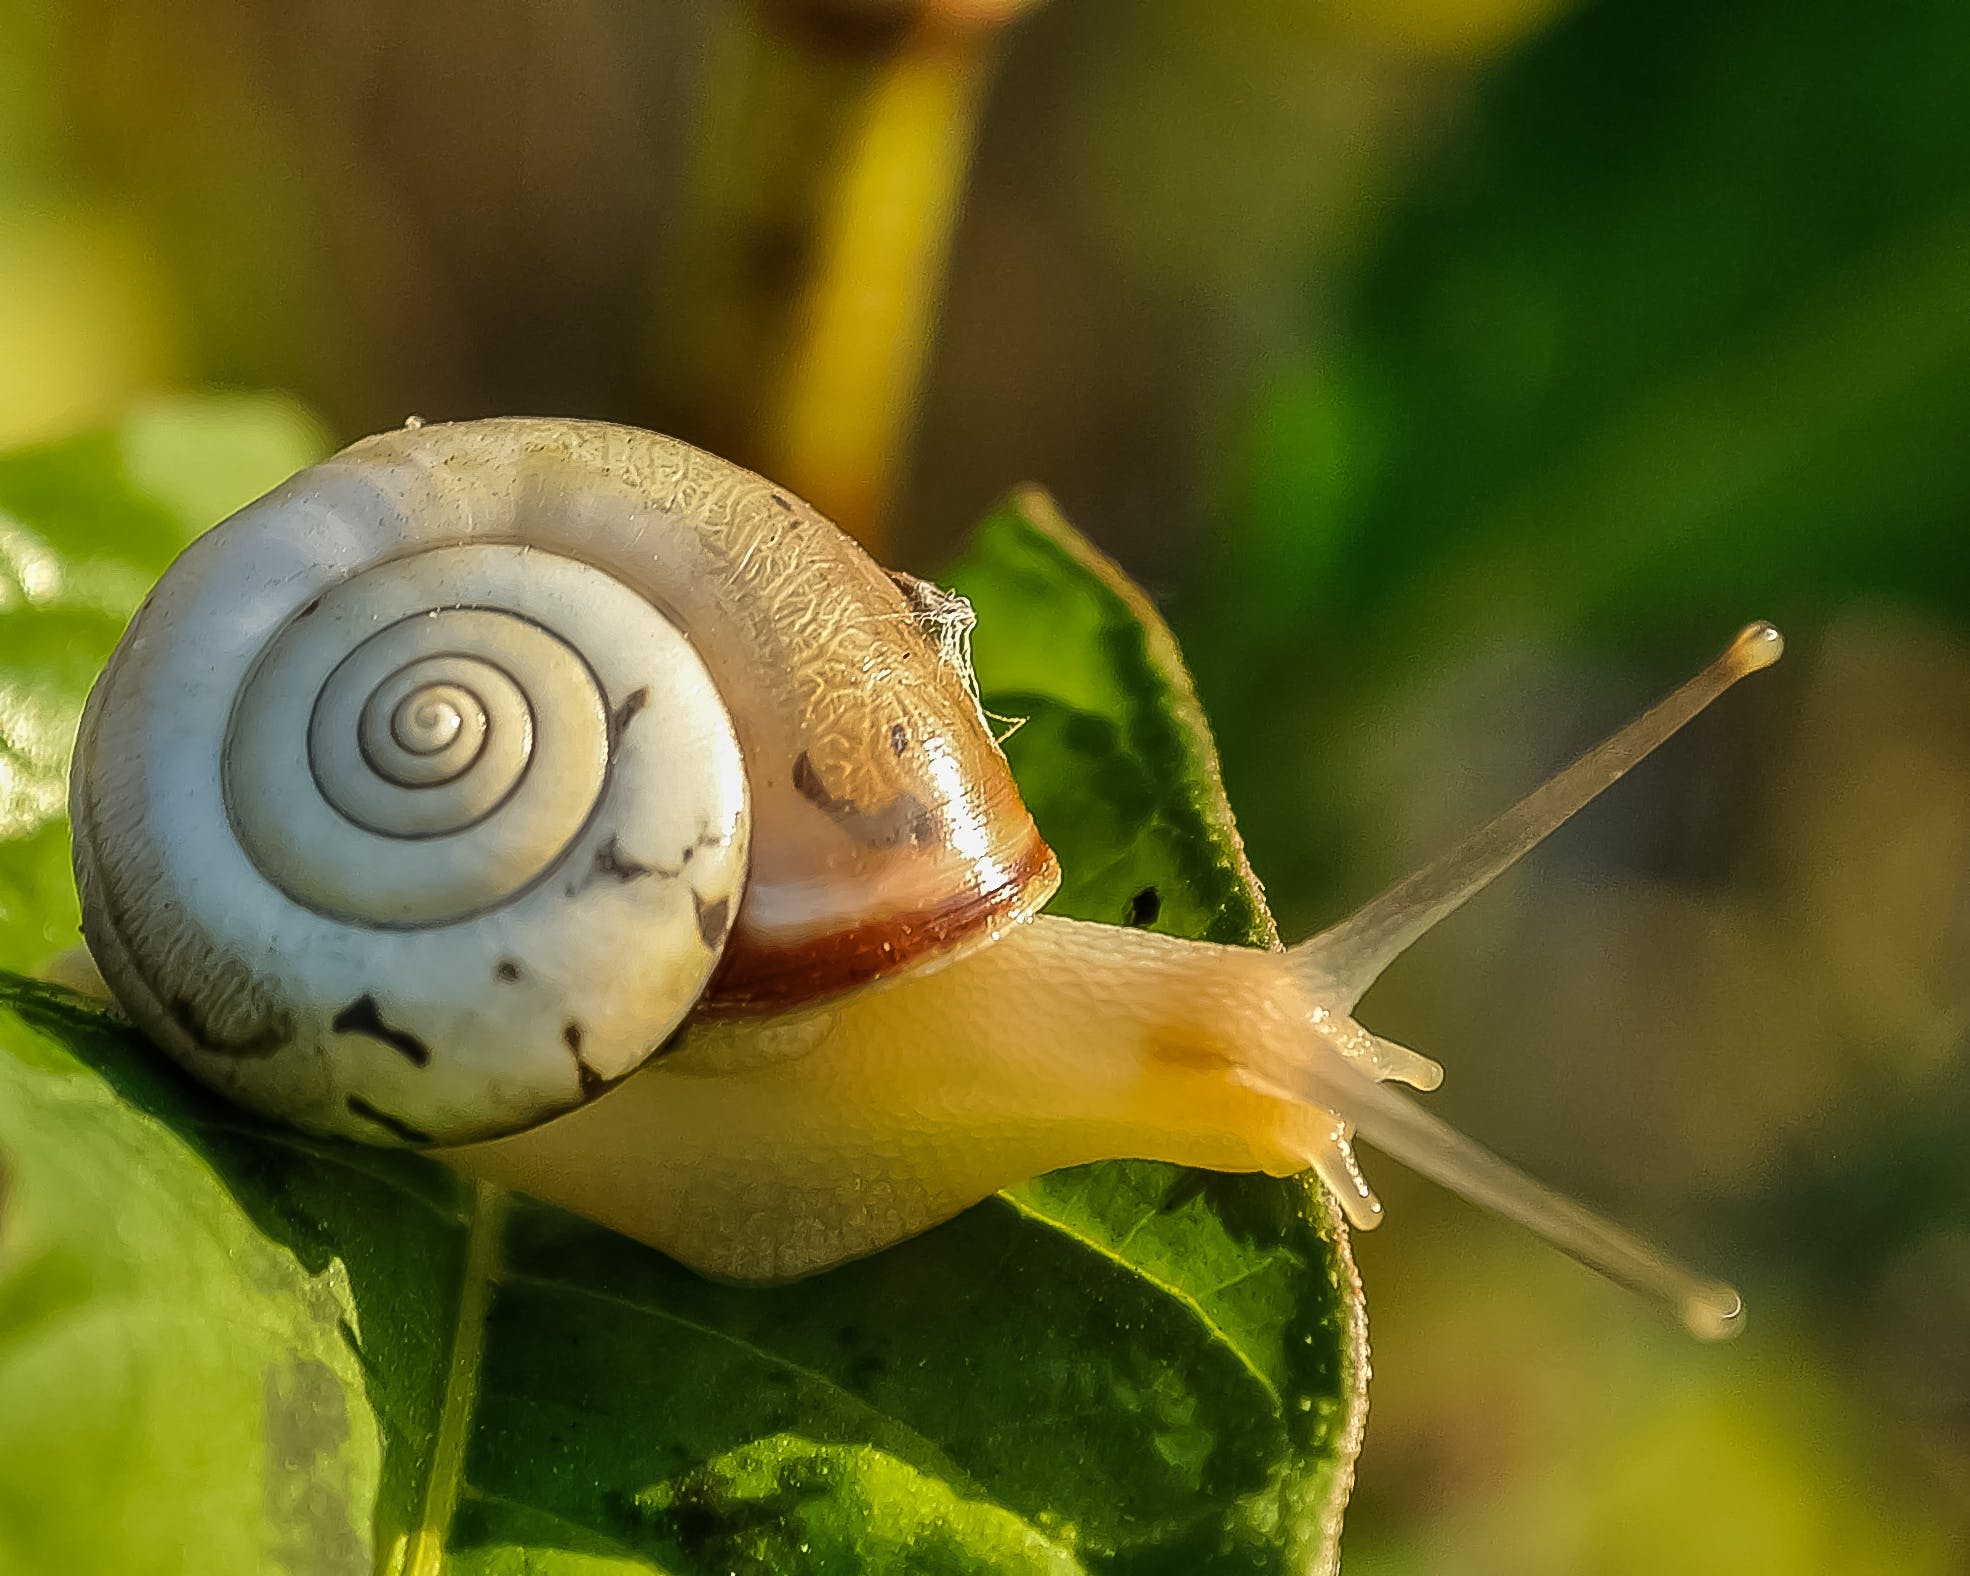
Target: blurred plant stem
point(828, 173)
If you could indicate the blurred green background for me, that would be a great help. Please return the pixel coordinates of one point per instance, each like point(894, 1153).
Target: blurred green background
point(1458, 374)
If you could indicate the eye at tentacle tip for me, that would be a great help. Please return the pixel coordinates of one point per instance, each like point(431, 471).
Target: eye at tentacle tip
point(1397, 1063)
point(1757, 646)
point(1714, 1312)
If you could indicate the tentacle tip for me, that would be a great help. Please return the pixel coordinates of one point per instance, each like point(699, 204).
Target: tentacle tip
point(1333, 1162)
point(1757, 646)
point(1713, 1313)
point(1364, 1214)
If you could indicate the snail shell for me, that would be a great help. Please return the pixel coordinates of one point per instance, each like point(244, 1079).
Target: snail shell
point(428, 795)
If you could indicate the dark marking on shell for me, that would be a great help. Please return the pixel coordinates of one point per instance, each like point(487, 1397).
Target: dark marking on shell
point(783, 501)
point(899, 738)
point(265, 1039)
point(590, 1082)
point(362, 1016)
point(610, 860)
point(714, 919)
point(904, 821)
point(390, 1124)
point(506, 970)
point(587, 1078)
point(625, 714)
point(312, 607)
point(1144, 907)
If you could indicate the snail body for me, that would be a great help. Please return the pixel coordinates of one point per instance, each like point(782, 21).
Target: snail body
point(488, 769)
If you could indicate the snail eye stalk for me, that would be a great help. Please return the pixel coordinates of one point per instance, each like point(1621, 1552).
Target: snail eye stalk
point(1345, 959)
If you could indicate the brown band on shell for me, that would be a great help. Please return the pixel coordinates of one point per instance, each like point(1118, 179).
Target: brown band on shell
point(761, 975)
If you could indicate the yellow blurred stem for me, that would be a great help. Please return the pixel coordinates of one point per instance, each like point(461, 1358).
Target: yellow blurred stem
point(859, 337)
point(831, 151)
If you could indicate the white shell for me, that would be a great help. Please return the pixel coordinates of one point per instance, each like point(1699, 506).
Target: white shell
point(398, 829)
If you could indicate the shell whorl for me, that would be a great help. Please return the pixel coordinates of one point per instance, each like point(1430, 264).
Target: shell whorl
point(430, 793)
point(416, 846)
point(399, 759)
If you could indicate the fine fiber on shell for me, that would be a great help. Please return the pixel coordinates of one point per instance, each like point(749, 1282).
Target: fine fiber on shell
point(429, 794)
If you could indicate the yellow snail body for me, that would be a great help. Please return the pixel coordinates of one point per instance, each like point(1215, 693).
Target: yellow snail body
point(489, 768)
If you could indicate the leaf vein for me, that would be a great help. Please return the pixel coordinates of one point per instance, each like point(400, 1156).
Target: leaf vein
point(1183, 1299)
point(932, 1452)
point(484, 1237)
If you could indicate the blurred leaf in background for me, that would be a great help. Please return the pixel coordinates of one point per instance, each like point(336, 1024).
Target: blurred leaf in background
point(1674, 323)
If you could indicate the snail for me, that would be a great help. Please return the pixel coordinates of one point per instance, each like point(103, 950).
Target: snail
point(580, 807)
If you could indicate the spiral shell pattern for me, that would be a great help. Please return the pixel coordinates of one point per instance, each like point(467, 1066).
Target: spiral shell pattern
point(425, 847)
point(448, 755)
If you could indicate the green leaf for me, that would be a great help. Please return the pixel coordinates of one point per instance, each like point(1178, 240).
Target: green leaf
point(1109, 743)
point(86, 525)
point(229, 1349)
point(178, 1386)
